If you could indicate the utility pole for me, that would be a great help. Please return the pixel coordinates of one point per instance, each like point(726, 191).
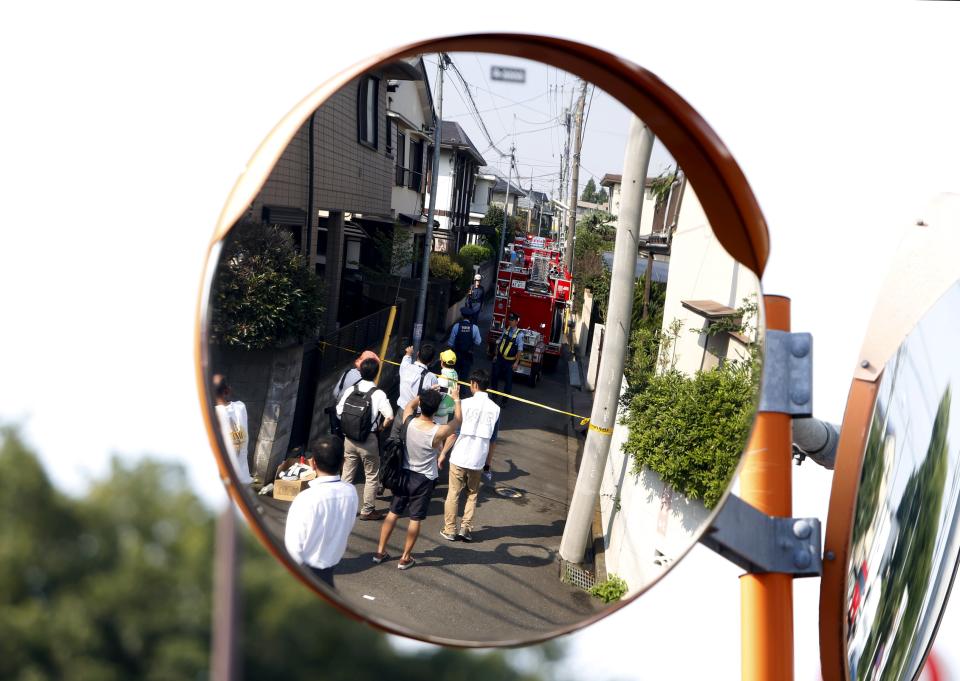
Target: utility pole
point(575, 176)
point(603, 416)
point(506, 204)
point(530, 210)
point(428, 240)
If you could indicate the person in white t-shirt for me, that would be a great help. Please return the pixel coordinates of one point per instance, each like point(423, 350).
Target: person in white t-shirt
point(366, 453)
point(415, 376)
point(321, 517)
point(471, 454)
point(232, 417)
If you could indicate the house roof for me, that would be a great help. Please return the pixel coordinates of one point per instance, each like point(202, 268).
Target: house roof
point(611, 179)
point(453, 136)
point(501, 187)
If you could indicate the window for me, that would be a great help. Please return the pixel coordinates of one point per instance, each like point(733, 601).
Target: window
point(389, 128)
point(401, 158)
point(416, 166)
point(367, 115)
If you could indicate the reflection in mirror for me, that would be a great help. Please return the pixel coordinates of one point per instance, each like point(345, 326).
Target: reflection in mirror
point(906, 529)
point(310, 321)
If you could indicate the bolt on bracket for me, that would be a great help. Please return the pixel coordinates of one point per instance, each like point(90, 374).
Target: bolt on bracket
point(759, 543)
point(787, 386)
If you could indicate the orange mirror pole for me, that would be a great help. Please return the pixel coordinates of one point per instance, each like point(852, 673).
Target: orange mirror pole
point(766, 600)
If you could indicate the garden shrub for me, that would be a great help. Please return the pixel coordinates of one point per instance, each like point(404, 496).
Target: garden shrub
point(264, 294)
point(475, 254)
point(610, 590)
point(691, 430)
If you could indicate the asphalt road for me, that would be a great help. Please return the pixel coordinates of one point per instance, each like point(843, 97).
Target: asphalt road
point(503, 586)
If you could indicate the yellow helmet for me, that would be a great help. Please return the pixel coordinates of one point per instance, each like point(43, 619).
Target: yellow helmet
point(448, 357)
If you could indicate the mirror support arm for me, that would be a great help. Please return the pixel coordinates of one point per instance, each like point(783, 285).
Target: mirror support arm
point(760, 543)
point(787, 374)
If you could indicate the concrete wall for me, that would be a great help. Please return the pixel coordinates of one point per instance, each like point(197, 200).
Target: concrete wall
point(700, 269)
point(482, 196)
point(646, 526)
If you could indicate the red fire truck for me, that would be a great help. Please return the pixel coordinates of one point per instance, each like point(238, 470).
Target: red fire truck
point(537, 288)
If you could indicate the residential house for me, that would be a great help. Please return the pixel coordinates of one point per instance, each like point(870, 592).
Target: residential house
point(538, 211)
point(705, 285)
point(612, 183)
point(483, 186)
point(459, 162)
point(498, 196)
point(338, 167)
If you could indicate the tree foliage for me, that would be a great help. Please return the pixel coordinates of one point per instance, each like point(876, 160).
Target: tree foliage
point(116, 585)
point(264, 294)
point(591, 194)
point(475, 254)
point(494, 218)
point(691, 430)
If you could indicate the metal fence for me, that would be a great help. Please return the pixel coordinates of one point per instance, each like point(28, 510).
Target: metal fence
point(364, 334)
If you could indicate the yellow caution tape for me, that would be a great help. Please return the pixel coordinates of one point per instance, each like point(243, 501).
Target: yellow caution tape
point(603, 431)
point(584, 420)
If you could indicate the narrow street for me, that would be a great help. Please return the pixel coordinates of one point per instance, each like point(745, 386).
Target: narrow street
point(505, 584)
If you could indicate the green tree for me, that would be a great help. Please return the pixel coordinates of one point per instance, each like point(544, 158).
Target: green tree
point(494, 218)
point(116, 585)
point(263, 292)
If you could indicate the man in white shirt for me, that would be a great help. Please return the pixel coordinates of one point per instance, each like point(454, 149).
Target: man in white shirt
point(232, 417)
point(470, 456)
point(366, 451)
point(321, 517)
point(415, 376)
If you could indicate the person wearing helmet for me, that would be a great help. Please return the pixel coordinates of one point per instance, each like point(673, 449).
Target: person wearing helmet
point(507, 355)
point(447, 379)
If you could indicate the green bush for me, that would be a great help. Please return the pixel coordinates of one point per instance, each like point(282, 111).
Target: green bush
point(610, 590)
point(264, 294)
point(444, 267)
point(691, 430)
point(475, 254)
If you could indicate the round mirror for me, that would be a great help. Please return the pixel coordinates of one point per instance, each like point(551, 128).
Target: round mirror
point(409, 444)
point(893, 534)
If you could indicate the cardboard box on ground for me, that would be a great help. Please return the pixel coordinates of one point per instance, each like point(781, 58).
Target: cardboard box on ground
point(286, 490)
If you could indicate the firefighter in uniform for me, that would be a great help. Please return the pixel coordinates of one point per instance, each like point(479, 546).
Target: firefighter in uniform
point(507, 355)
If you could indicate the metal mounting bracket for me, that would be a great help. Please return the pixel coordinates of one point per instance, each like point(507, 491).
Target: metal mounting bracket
point(787, 374)
point(760, 543)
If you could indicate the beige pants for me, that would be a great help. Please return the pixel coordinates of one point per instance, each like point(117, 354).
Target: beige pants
point(366, 454)
point(460, 478)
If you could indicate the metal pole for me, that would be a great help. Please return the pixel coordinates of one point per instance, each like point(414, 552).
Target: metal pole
point(224, 662)
point(428, 239)
point(766, 600)
point(575, 178)
point(503, 229)
point(386, 340)
point(617, 336)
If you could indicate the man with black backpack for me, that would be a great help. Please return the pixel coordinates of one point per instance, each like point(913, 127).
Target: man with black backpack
point(363, 412)
point(348, 379)
point(464, 335)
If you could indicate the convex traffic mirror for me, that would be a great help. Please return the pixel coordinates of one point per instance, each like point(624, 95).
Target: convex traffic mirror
point(310, 298)
point(893, 532)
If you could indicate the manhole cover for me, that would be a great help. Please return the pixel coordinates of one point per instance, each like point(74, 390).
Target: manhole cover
point(509, 492)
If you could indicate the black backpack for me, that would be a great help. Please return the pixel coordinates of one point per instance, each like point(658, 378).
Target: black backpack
point(392, 457)
point(356, 421)
point(331, 411)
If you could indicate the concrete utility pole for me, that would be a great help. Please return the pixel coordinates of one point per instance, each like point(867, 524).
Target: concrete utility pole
point(506, 204)
point(428, 240)
point(617, 335)
point(575, 176)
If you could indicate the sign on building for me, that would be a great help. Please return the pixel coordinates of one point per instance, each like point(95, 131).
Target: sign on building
point(508, 74)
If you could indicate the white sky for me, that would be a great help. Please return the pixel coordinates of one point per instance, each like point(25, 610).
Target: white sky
point(124, 127)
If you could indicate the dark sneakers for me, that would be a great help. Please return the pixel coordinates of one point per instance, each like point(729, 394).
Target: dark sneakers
point(448, 536)
point(380, 557)
point(406, 565)
point(372, 515)
point(464, 535)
